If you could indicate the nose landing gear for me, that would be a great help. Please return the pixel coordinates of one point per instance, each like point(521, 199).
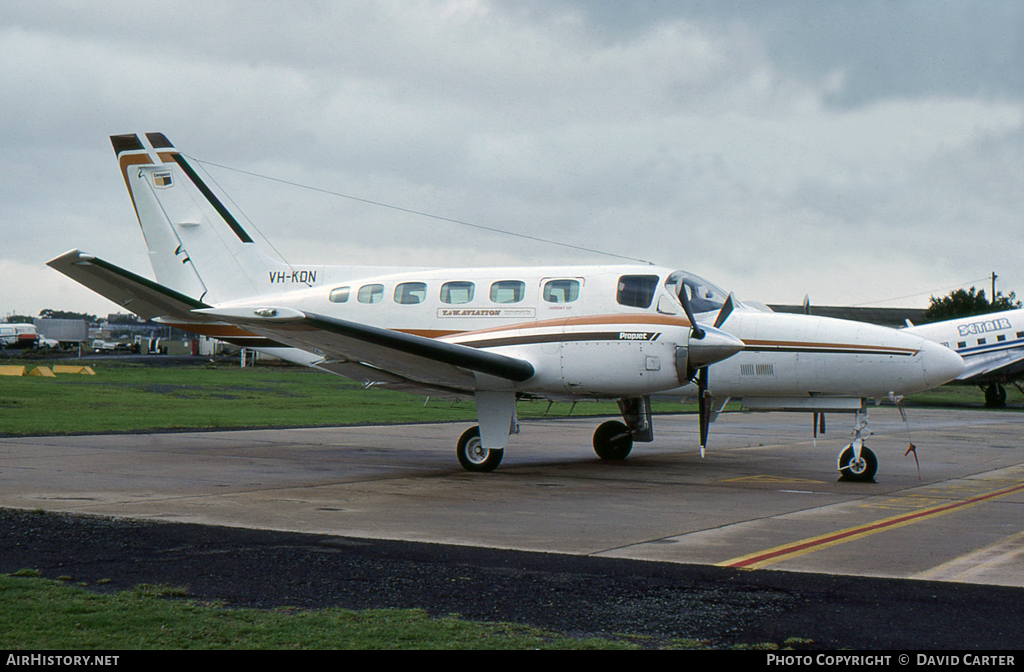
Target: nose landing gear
point(856, 461)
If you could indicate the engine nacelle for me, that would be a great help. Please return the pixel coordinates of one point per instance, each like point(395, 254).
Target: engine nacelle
point(634, 358)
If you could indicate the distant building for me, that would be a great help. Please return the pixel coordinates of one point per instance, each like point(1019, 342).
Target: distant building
point(885, 317)
point(68, 332)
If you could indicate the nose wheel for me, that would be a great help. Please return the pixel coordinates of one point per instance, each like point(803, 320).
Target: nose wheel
point(856, 461)
point(858, 468)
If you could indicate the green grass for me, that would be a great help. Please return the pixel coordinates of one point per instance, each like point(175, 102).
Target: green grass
point(37, 613)
point(128, 397)
point(962, 396)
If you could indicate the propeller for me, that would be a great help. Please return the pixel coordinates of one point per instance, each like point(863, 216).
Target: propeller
point(707, 353)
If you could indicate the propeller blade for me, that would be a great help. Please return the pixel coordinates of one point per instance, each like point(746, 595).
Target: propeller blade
point(697, 332)
point(807, 304)
point(711, 346)
point(725, 312)
point(704, 407)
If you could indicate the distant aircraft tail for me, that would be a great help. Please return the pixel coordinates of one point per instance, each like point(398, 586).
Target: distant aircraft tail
point(196, 246)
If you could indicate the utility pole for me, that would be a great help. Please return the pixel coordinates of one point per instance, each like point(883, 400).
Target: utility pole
point(994, 276)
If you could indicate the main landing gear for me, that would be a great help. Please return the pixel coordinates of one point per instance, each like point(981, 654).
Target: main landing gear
point(613, 440)
point(472, 454)
point(995, 396)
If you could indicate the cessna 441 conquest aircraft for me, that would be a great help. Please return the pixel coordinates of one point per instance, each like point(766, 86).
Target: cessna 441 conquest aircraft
point(622, 332)
point(991, 345)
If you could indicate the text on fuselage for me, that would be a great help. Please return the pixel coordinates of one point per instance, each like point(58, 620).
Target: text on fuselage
point(304, 277)
point(982, 327)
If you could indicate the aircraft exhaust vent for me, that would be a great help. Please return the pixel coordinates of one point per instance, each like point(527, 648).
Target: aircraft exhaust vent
point(757, 369)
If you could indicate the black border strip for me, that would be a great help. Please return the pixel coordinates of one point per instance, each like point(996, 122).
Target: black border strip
point(145, 282)
point(214, 201)
point(831, 350)
point(559, 337)
point(462, 356)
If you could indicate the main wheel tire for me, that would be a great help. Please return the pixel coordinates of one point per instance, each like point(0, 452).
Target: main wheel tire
point(995, 396)
point(862, 470)
point(613, 441)
point(472, 454)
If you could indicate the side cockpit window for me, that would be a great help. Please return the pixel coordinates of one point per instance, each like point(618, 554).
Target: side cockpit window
point(636, 291)
point(703, 295)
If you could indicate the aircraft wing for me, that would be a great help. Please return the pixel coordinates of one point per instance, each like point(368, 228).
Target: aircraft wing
point(142, 296)
point(359, 350)
point(997, 364)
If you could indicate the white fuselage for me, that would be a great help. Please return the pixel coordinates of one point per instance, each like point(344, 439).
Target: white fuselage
point(585, 333)
point(987, 343)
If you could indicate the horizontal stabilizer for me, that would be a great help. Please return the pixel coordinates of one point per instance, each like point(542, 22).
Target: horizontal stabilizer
point(142, 296)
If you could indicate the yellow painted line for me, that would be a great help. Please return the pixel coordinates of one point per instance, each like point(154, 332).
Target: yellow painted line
point(786, 551)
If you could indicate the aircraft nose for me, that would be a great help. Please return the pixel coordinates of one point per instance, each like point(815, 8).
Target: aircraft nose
point(940, 364)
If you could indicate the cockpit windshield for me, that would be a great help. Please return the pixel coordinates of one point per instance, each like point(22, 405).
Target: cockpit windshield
point(703, 295)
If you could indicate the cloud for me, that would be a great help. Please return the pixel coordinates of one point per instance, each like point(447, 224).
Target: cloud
point(774, 149)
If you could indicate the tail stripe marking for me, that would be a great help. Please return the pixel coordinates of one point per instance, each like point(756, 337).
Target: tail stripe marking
point(126, 143)
point(214, 201)
point(159, 141)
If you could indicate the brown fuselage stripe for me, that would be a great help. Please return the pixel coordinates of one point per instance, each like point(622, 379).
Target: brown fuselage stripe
point(226, 332)
point(589, 321)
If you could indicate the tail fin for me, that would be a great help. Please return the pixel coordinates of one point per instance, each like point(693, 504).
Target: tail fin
point(195, 245)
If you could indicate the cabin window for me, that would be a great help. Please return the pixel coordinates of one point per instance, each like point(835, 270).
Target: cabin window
point(981, 341)
point(371, 294)
point(561, 291)
point(411, 292)
point(637, 291)
point(962, 344)
point(1020, 334)
point(457, 292)
point(340, 294)
point(508, 291)
point(1000, 338)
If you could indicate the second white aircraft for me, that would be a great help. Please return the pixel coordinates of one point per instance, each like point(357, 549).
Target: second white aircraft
point(623, 332)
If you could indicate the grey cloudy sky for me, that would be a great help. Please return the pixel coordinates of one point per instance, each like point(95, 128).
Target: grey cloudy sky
point(853, 151)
